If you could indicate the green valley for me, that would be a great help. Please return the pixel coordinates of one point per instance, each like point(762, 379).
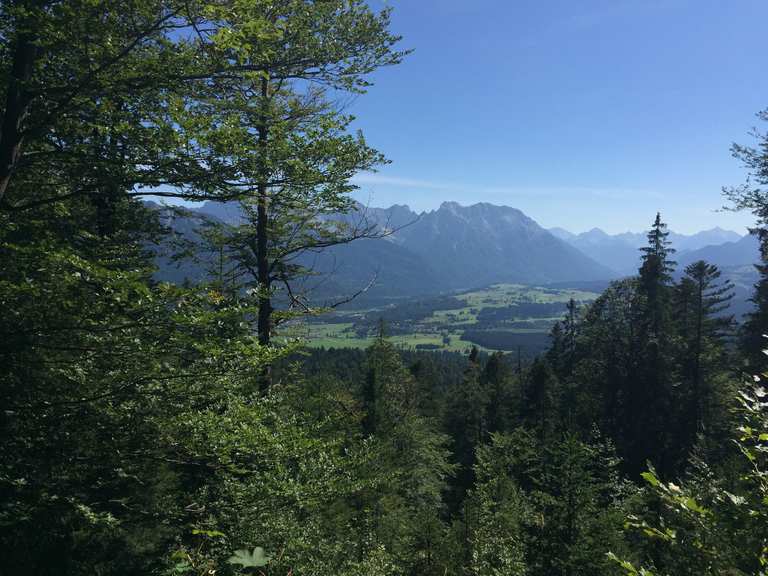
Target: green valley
point(499, 317)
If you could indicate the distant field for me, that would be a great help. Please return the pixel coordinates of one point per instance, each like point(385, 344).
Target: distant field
point(500, 317)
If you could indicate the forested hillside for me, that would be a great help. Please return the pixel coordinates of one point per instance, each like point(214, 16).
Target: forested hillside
point(150, 427)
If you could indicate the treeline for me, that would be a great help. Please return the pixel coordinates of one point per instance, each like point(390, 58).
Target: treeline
point(528, 343)
point(522, 310)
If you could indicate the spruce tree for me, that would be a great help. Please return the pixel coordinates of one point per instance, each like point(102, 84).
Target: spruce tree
point(498, 507)
point(497, 381)
point(655, 282)
point(702, 300)
point(467, 424)
point(577, 510)
point(413, 461)
point(649, 403)
point(562, 356)
point(543, 396)
point(607, 368)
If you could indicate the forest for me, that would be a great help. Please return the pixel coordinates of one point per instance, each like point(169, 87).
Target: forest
point(158, 428)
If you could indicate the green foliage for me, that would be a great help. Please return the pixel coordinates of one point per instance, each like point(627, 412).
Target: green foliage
point(495, 512)
point(132, 436)
point(753, 196)
point(407, 508)
point(250, 558)
point(137, 434)
point(709, 524)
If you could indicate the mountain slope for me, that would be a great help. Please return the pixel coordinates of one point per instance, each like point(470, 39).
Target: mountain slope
point(743, 252)
point(472, 246)
point(453, 247)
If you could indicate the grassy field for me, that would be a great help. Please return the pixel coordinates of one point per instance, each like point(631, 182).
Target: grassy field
point(515, 322)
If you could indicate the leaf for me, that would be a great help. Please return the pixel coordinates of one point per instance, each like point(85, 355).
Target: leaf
point(254, 559)
point(626, 565)
point(737, 500)
point(693, 506)
point(650, 477)
point(182, 567)
point(209, 533)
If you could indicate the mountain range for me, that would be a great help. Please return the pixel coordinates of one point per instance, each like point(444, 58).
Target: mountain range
point(620, 252)
point(458, 247)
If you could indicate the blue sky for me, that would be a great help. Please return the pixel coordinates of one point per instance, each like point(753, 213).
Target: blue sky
point(582, 114)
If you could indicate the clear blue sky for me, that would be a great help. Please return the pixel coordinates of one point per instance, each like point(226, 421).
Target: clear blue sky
point(582, 114)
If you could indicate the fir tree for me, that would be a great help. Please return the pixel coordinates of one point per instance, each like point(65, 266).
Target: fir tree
point(702, 300)
point(543, 395)
point(466, 422)
point(649, 402)
point(413, 458)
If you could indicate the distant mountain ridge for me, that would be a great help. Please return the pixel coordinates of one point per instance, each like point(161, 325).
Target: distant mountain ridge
point(451, 248)
point(457, 247)
point(481, 244)
point(743, 252)
point(620, 252)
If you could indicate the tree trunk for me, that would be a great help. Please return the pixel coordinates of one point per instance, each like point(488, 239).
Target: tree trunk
point(17, 103)
point(697, 388)
point(262, 263)
point(264, 326)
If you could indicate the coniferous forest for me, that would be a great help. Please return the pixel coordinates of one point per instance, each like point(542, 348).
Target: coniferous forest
point(150, 427)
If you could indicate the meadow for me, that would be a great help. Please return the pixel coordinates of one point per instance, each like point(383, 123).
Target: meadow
point(499, 317)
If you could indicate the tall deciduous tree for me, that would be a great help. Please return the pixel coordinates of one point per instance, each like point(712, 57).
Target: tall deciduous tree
point(293, 155)
point(97, 99)
point(113, 384)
